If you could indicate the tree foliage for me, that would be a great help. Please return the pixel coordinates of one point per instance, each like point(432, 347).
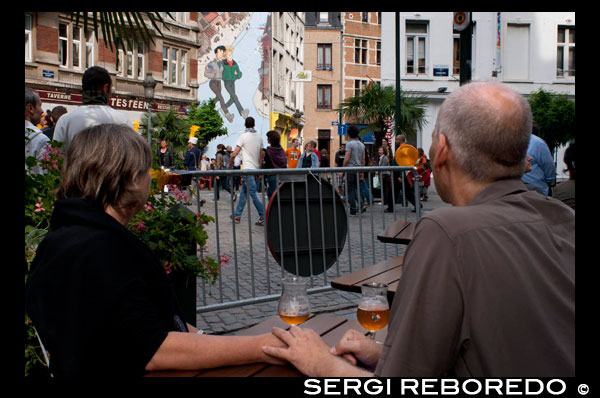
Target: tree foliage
point(175, 128)
point(208, 119)
point(554, 114)
point(119, 28)
point(376, 103)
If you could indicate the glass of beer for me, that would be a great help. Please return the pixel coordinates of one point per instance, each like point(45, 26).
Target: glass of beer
point(373, 311)
point(294, 307)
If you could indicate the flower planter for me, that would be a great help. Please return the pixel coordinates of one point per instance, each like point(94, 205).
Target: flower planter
point(184, 284)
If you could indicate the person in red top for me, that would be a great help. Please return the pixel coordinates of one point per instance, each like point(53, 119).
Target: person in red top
point(424, 170)
point(293, 154)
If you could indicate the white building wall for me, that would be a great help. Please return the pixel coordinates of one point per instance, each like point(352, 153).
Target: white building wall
point(541, 60)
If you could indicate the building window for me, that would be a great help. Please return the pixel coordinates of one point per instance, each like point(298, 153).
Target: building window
point(76, 35)
point(365, 16)
point(456, 54)
point(360, 51)
point(324, 96)
point(378, 50)
point(89, 48)
point(176, 16)
point(28, 27)
point(359, 85)
point(516, 52)
point(175, 66)
point(165, 63)
point(140, 61)
point(183, 68)
point(130, 63)
point(416, 40)
point(63, 45)
point(565, 52)
point(323, 17)
point(323, 56)
point(75, 46)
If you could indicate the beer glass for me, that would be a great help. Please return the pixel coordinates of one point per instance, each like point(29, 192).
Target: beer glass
point(294, 307)
point(373, 311)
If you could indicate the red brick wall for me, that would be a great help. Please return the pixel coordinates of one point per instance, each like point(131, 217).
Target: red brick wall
point(155, 61)
point(193, 69)
point(47, 39)
point(104, 53)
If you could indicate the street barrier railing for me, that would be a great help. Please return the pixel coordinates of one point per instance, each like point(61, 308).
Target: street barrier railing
point(257, 268)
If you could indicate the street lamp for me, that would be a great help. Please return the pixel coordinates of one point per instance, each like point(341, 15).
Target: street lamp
point(149, 83)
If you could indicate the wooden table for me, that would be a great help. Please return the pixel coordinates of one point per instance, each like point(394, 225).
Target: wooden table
point(330, 328)
point(388, 272)
point(400, 232)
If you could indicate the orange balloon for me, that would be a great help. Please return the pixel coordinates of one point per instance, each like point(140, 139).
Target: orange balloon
point(406, 155)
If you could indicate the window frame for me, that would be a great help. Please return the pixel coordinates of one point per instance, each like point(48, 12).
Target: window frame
point(417, 37)
point(63, 44)
point(322, 51)
point(566, 47)
point(28, 38)
point(326, 93)
point(361, 51)
point(89, 44)
point(359, 85)
point(455, 53)
point(76, 43)
point(177, 67)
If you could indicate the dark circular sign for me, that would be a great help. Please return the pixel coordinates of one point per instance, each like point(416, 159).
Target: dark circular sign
point(313, 228)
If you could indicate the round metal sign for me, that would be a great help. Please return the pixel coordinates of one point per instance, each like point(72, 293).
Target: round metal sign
point(306, 224)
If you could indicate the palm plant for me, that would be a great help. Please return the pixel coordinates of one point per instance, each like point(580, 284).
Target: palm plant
point(375, 103)
point(171, 127)
point(120, 27)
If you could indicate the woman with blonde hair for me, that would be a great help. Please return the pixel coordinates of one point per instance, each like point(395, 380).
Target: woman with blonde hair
point(100, 300)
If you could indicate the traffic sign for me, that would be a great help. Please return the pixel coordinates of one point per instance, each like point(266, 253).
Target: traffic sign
point(461, 20)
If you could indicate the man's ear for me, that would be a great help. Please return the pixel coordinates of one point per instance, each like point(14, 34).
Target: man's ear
point(442, 152)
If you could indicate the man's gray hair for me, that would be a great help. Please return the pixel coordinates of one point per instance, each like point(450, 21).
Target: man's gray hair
point(488, 126)
point(31, 96)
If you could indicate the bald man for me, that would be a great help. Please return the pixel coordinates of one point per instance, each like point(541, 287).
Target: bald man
point(488, 287)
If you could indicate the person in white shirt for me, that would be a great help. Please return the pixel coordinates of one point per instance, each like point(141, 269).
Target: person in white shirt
point(96, 86)
point(249, 146)
point(35, 140)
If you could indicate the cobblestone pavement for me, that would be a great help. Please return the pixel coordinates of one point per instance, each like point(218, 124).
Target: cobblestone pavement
point(258, 265)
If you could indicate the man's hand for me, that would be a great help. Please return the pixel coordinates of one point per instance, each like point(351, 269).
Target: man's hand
point(365, 350)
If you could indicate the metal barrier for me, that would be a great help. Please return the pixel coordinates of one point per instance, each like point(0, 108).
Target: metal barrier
point(253, 271)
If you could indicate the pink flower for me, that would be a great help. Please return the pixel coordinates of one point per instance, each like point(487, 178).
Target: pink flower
point(224, 259)
point(167, 265)
point(140, 226)
point(180, 196)
point(149, 206)
point(39, 207)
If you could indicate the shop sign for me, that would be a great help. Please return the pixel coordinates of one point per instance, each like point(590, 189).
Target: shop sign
point(59, 97)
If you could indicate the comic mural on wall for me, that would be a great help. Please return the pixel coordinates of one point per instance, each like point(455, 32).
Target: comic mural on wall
point(234, 71)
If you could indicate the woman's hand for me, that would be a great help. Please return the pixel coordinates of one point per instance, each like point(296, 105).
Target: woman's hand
point(311, 355)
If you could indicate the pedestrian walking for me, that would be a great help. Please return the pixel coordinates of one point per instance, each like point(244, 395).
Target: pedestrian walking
point(355, 157)
point(293, 154)
point(309, 158)
point(221, 162)
point(274, 158)
point(96, 86)
point(249, 148)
